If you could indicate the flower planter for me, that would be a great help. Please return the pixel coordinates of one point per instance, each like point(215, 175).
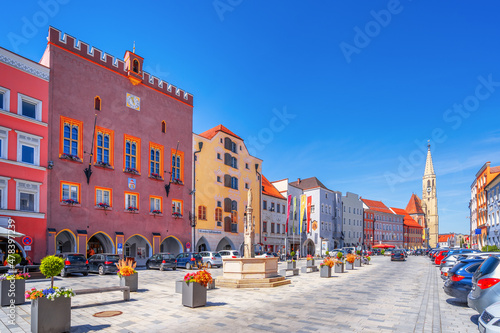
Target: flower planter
point(211, 285)
point(357, 263)
point(178, 286)
point(51, 316)
point(194, 295)
point(291, 264)
point(310, 263)
point(325, 271)
point(131, 281)
point(12, 290)
point(339, 268)
point(350, 265)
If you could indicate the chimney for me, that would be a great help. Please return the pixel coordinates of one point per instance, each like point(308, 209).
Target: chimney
point(298, 180)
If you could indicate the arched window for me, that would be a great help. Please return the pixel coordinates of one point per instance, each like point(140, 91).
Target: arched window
point(130, 155)
point(428, 183)
point(97, 103)
point(218, 214)
point(135, 66)
point(163, 126)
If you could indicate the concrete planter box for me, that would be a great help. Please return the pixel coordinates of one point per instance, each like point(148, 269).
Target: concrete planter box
point(349, 265)
point(325, 271)
point(211, 285)
point(51, 316)
point(291, 264)
point(310, 263)
point(178, 286)
point(16, 289)
point(131, 281)
point(194, 295)
point(339, 268)
point(357, 263)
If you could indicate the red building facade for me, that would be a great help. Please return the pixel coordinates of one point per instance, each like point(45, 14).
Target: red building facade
point(412, 230)
point(24, 91)
point(369, 228)
point(134, 131)
point(388, 227)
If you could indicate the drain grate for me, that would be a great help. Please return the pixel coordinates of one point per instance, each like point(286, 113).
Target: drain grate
point(107, 314)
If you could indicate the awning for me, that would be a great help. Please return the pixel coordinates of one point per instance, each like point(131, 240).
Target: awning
point(382, 246)
point(4, 232)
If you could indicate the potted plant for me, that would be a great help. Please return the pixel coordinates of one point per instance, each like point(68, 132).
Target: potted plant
point(310, 261)
point(12, 289)
point(339, 265)
point(128, 275)
point(367, 260)
point(292, 254)
point(350, 258)
point(325, 268)
point(50, 308)
point(357, 261)
point(194, 290)
point(291, 264)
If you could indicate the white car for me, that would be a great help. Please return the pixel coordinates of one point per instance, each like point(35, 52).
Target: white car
point(211, 259)
point(264, 255)
point(490, 319)
point(227, 254)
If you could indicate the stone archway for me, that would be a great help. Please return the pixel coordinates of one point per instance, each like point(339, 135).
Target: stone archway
point(172, 245)
point(309, 247)
point(138, 248)
point(202, 245)
point(65, 242)
point(100, 243)
point(4, 248)
point(225, 244)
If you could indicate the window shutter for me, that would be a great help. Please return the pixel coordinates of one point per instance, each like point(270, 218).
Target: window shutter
point(227, 224)
point(227, 143)
point(227, 180)
point(227, 205)
point(234, 205)
point(227, 159)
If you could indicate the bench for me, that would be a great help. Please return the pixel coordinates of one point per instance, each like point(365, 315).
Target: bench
point(126, 291)
point(294, 270)
point(309, 269)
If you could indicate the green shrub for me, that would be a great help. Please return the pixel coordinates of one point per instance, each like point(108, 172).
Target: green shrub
point(327, 253)
point(339, 255)
point(51, 266)
point(491, 248)
point(14, 259)
point(358, 252)
point(382, 252)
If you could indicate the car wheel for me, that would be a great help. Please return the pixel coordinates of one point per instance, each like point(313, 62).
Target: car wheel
point(63, 273)
point(86, 273)
point(101, 270)
point(162, 268)
point(209, 264)
point(174, 268)
point(188, 266)
point(147, 266)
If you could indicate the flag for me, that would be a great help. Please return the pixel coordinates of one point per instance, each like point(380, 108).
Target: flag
point(302, 209)
point(309, 203)
point(288, 212)
point(293, 218)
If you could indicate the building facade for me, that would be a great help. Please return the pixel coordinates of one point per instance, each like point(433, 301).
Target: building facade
point(493, 204)
point(225, 171)
point(388, 226)
point(352, 215)
point(412, 230)
point(369, 228)
point(415, 210)
point(475, 232)
point(274, 209)
point(121, 148)
point(429, 199)
point(24, 117)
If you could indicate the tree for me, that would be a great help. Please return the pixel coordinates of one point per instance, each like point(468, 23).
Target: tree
point(50, 267)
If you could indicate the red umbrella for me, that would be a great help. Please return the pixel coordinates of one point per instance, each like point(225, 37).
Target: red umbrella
point(383, 246)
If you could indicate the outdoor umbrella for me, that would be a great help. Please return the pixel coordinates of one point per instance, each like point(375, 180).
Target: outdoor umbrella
point(383, 246)
point(4, 232)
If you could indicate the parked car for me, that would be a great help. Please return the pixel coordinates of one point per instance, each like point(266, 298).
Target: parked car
point(103, 263)
point(440, 256)
point(74, 263)
point(264, 255)
point(489, 321)
point(388, 252)
point(189, 260)
point(225, 254)
point(485, 287)
point(162, 261)
point(398, 255)
point(211, 259)
point(459, 278)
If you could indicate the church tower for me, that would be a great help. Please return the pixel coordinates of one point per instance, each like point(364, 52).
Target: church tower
point(429, 199)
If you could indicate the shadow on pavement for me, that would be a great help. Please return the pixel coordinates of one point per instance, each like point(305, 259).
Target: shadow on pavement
point(141, 290)
point(88, 328)
point(474, 319)
point(100, 304)
point(457, 302)
point(216, 303)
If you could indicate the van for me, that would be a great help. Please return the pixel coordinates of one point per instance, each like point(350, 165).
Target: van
point(349, 249)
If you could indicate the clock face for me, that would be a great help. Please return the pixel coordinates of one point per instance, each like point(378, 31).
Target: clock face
point(133, 102)
point(429, 189)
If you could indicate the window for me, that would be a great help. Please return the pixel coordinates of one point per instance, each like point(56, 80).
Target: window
point(312, 208)
point(234, 162)
point(272, 228)
point(218, 216)
point(70, 192)
point(219, 203)
point(135, 66)
point(4, 99)
point(219, 180)
point(234, 183)
point(272, 207)
point(278, 210)
point(155, 160)
point(278, 228)
point(247, 186)
point(163, 126)
point(4, 141)
point(104, 147)
point(29, 107)
point(155, 205)
point(246, 166)
point(177, 167)
point(28, 148)
point(131, 201)
point(70, 139)
point(27, 196)
point(132, 154)
point(97, 103)
point(264, 205)
point(218, 156)
point(283, 209)
point(202, 213)
point(264, 226)
point(3, 192)
point(234, 217)
point(103, 197)
point(177, 207)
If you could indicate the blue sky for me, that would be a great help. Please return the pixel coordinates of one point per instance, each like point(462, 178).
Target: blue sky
point(347, 92)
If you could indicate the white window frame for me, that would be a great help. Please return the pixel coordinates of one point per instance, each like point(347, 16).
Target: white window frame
point(30, 188)
point(38, 106)
point(4, 136)
point(177, 206)
point(4, 187)
point(30, 141)
point(102, 196)
point(127, 200)
point(6, 98)
point(156, 204)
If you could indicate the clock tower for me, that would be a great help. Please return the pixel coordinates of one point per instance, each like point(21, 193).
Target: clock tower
point(429, 200)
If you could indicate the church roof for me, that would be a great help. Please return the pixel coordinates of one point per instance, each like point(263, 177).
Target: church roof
point(308, 183)
point(414, 206)
point(269, 189)
point(213, 131)
point(429, 168)
point(377, 206)
point(407, 220)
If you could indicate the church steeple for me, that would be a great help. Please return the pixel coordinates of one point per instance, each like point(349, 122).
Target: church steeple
point(429, 168)
point(429, 199)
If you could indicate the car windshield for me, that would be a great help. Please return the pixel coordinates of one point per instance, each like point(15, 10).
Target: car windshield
point(168, 256)
point(76, 257)
point(488, 266)
point(197, 256)
point(113, 257)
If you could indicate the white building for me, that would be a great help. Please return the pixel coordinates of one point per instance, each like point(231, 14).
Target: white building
point(352, 215)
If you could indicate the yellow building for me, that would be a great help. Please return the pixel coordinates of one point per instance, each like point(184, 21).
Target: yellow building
point(224, 173)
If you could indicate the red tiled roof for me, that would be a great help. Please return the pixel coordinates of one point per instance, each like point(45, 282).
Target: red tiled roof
point(407, 220)
point(444, 238)
point(377, 206)
point(414, 206)
point(495, 169)
point(213, 131)
point(269, 189)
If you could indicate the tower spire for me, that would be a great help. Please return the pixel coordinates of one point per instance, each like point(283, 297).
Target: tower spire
point(429, 168)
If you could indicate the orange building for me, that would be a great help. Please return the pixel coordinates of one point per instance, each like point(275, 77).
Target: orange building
point(24, 91)
point(483, 177)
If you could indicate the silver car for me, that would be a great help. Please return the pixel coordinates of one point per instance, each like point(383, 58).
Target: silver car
point(211, 259)
point(485, 287)
point(225, 254)
point(489, 321)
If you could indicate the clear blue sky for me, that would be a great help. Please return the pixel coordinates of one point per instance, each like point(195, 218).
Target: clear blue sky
point(363, 103)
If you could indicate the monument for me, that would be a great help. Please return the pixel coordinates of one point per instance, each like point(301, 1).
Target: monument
point(250, 272)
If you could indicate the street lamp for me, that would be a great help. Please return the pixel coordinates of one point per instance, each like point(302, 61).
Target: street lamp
point(193, 219)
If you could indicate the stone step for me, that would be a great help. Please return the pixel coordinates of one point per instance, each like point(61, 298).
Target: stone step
point(253, 283)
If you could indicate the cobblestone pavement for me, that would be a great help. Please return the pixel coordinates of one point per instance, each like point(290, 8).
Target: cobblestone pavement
point(382, 297)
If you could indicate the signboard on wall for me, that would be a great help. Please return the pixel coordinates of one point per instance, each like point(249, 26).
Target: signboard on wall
point(119, 248)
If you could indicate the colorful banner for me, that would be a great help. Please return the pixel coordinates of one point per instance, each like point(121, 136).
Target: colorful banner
point(302, 210)
point(288, 212)
point(309, 203)
point(293, 217)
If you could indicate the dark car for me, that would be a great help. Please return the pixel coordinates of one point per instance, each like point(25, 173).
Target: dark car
point(459, 282)
point(398, 255)
point(104, 263)
point(189, 260)
point(162, 261)
point(485, 287)
point(74, 263)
